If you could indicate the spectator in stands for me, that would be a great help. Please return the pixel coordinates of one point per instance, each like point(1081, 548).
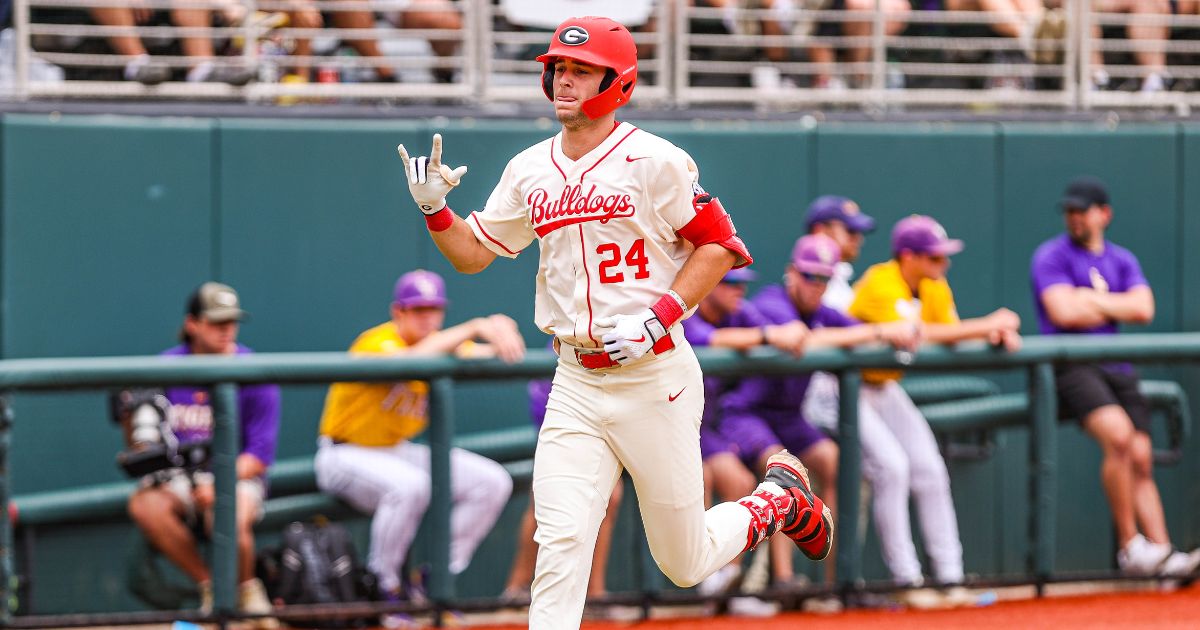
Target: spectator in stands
point(1084, 284)
point(297, 14)
point(724, 319)
point(900, 454)
point(1150, 38)
point(896, 18)
point(520, 577)
point(149, 71)
point(1018, 19)
point(171, 504)
point(366, 455)
point(419, 14)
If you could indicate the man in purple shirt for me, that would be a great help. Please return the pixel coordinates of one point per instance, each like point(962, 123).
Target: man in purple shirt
point(724, 319)
point(765, 414)
point(1085, 285)
point(168, 505)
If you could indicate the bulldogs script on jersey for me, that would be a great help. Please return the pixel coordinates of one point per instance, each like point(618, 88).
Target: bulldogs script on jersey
point(607, 226)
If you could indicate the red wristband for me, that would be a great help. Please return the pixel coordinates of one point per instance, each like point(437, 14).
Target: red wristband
point(667, 310)
point(440, 221)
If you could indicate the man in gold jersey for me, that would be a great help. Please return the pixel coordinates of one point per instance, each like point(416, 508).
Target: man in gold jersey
point(366, 456)
point(900, 453)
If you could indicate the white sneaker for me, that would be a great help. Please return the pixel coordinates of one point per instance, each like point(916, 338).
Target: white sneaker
point(824, 605)
point(252, 598)
point(1142, 557)
point(721, 581)
point(206, 598)
point(1180, 564)
point(752, 607)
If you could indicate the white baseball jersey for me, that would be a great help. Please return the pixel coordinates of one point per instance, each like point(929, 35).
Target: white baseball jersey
point(607, 225)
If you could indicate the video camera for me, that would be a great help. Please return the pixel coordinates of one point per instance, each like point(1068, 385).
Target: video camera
point(153, 446)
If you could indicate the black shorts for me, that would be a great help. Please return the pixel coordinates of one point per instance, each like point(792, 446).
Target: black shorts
point(1085, 387)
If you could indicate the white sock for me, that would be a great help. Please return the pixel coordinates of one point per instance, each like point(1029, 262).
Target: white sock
point(131, 68)
point(201, 72)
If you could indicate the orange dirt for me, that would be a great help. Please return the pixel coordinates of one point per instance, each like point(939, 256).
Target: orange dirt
point(1117, 611)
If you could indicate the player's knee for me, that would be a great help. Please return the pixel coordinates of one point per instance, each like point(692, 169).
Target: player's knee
point(148, 506)
point(413, 496)
point(929, 475)
point(683, 577)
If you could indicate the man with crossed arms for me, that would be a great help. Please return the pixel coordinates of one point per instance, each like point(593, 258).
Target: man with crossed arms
point(629, 243)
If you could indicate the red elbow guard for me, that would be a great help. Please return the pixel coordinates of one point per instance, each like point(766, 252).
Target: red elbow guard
point(713, 225)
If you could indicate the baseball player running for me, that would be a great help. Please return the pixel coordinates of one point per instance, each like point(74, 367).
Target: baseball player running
point(629, 243)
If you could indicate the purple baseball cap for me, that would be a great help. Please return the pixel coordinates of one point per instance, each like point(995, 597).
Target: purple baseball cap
point(739, 276)
point(816, 254)
point(420, 288)
point(835, 208)
point(920, 234)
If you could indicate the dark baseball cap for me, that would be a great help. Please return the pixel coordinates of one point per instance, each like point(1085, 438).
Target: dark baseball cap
point(216, 303)
point(817, 254)
point(920, 234)
point(835, 208)
point(1084, 192)
point(420, 288)
point(739, 276)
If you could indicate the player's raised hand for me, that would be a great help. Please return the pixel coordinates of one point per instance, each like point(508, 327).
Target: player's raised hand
point(429, 180)
point(632, 336)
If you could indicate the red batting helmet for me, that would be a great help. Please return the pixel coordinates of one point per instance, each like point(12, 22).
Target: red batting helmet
point(596, 41)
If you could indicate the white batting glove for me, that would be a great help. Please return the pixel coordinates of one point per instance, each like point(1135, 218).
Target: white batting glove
point(631, 336)
point(429, 180)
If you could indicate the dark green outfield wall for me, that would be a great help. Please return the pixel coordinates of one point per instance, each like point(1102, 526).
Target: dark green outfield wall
point(108, 223)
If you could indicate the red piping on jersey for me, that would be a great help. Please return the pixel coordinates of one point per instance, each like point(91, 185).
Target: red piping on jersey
point(587, 275)
point(614, 148)
point(489, 236)
point(555, 162)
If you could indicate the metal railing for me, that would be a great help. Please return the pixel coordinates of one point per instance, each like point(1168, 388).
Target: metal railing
point(223, 374)
point(691, 56)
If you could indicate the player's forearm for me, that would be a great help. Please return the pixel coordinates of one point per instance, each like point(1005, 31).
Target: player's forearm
point(846, 337)
point(1136, 306)
point(702, 271)
point(249, 466)
point(976, 328)
point(461, 247)
point(447, 340)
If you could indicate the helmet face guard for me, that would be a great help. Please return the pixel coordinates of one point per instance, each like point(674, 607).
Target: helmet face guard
point(598, 42)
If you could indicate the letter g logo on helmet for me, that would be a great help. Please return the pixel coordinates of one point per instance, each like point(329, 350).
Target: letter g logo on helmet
point(573, 36)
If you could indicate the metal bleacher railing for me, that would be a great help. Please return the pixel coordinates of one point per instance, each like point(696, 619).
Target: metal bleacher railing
point(690, 55)
point(1038, 411)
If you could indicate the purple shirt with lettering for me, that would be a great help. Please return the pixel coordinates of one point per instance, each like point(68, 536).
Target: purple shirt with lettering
point(258, 410)
point(781, 393)
point(1061, 261)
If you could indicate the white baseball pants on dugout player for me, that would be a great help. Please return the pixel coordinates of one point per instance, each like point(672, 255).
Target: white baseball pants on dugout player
point(899, 457)
point(645, 418)
point(393, 483)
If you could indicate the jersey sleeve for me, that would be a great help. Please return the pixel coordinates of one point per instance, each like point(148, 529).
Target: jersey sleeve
point(1048, 269)
point(1131, 269)
point(503, 225)
point(938, 307)
point(260, 421)
point(873, 302)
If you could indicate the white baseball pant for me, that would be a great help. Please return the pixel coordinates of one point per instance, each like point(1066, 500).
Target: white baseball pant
point(598, 422)
point(899, 457)
point(393, 483)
